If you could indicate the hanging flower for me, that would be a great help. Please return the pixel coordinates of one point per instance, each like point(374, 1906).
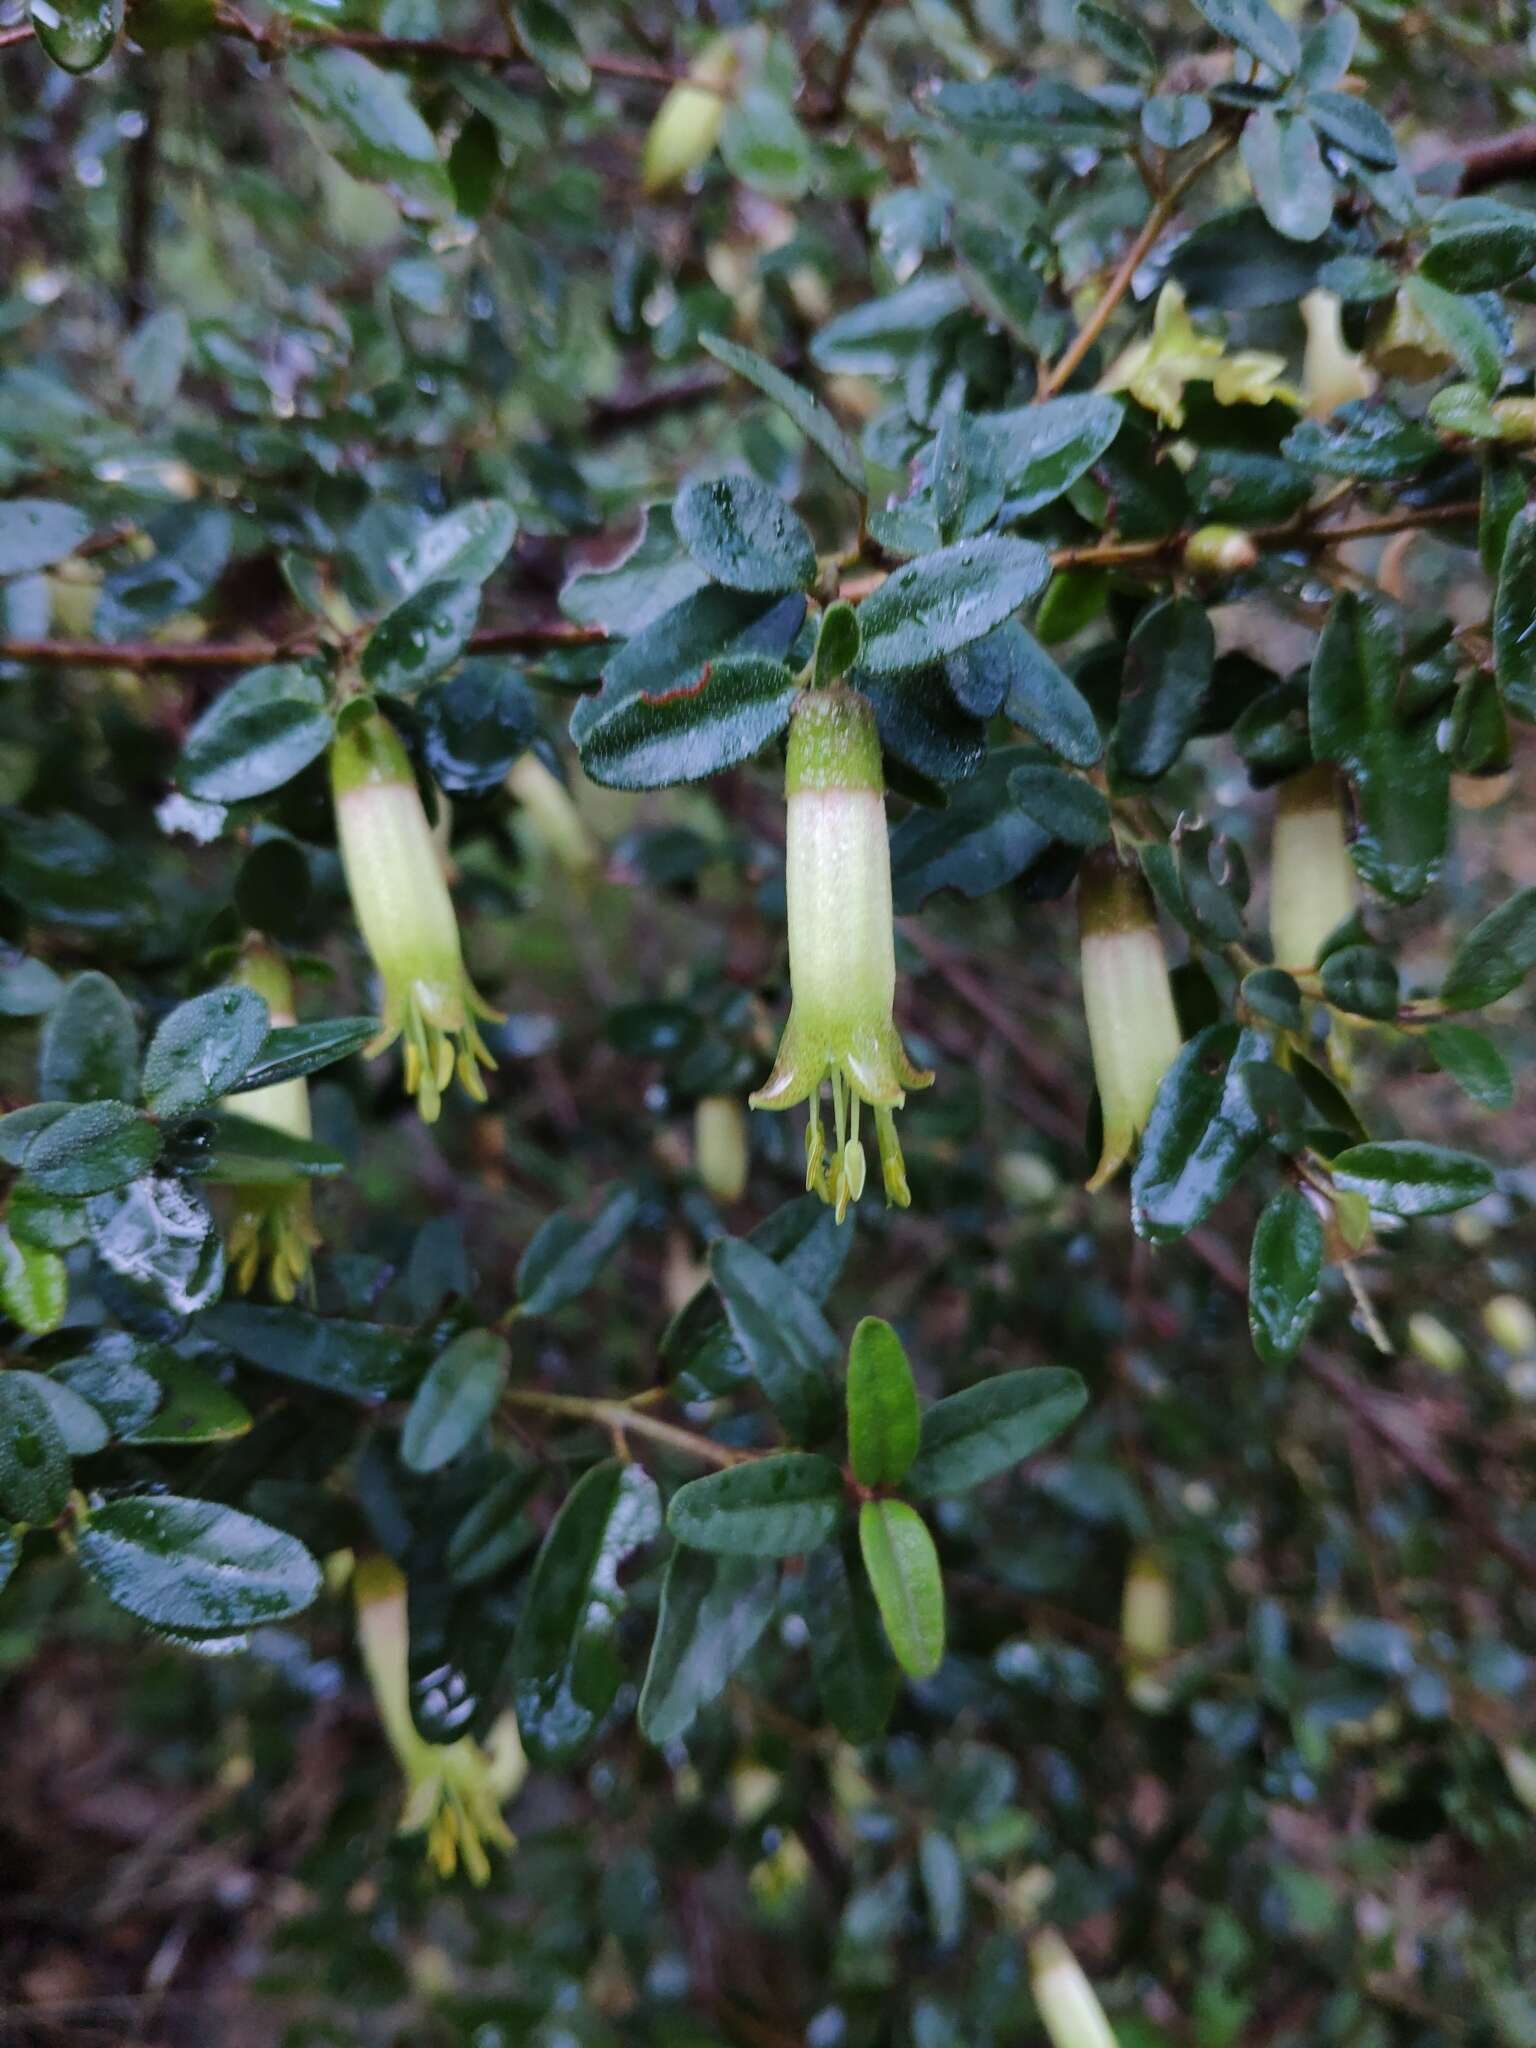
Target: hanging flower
point(405, 914)
point(1331, 373)
point(454, 1790)
point(273, 1225)
point(842, 955)
point(1068, 2005)
point(688, 122)
point(1156, 369)
point(1312, 886)
point(1133, 1030)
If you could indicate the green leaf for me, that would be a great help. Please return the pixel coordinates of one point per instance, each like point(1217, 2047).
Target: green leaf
point(1464, 327)
point(1401, 779)
point(82, 1427)
point(568, 1251)
point(295, 1049)
point(804, 1241)
point(999, 280)
point(337, 1355)
point(1405, 1178)
point(713, 1613)
point(786, 1340)
point(455, 1401)
point(1327, 51)
point(160, 1238)
point(1284, 1272)
point(1370, 442)
point(36, 532)
point(83, 1150)
point(113, 1376)
point(1514, 619)
point(202, 1049)
point(982, 840)
point(1290, 180)
point(34, 1285)
point(1255, 27)
point(1169, 660)
point(1473, 1062)
point(424, 634)
point(565, 1665)
point(34, 1464)
point(1173, 120)
point(1355, 126)
point(1495, 956)
point(28, 988)
point(90, 1049)
point(235, 1151)
point(807, 412)
point(1121, 41)
point(192, 1407)
point(1043, 698)
point(780, 1506)
point(920, 721)
point(837, 643)
point(855, 1673)
point(1037, 452)
point(1065, 805)
point(745, 535)
point(1362, 980)
point(549, 39)
point(467, 545)
point(878, 338)
point(944, 601)
point(738, 704)
point(195, 1565)
point(1274, 997)
point(78, 35)
point(1480, 252)
point(256, 735)
point(884, 1420)
point(764, 145)
point(1202, 1132)
point(475, 725)
point(375, 128)
point(1048, 113)
point(971, 1437)
point(903, 1569)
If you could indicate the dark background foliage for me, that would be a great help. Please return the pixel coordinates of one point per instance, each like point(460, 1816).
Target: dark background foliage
point(280, 296)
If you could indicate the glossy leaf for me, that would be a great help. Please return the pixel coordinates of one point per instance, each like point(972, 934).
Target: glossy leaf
point(856, 1675)
point(1406, 1178)
point(1473, 1062)
point(884, 1420)
point(903, 1569)
point(423, 635)
point(808, 413)
point(568, 1251)
point(1514, 619)
point(295, 1049)
point(256, 735)
point(779, 1506)
point(466, 545)
point(195, 1565)
point(202, 1049)
point(80, 1150)
point(713, 1614)
point(944, 601)
point(735, 707)
point(1037, 452)
point(1202, 1132)
point(90, 1049)
point(1290, 180)
point(1045, 701)
point(971, 1437)
point(1168, 665)
point(1285, 1269)
point(34, 1464)
point(783, 1335)
point(375, 127)
point(1255, 27)
point(565, 1664)
point(34, 1284)
point(191, 1407)
point(335, 1354)
point(745, 535)
point(456, 1399)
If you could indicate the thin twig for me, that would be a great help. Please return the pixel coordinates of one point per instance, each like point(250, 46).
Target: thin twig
point(842, 78)
point(621, 1416)
point(1163, 211)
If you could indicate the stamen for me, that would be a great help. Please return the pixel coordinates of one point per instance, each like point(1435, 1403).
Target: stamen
point(893, 1167)
point(815, 1151)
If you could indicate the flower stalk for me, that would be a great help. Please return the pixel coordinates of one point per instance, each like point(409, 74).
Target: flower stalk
point(406, 915)
point(842, 952)
point(1133, 1029)
point(273, 1226)
point(454, 1791)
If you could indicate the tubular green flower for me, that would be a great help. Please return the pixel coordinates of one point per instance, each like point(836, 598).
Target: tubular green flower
point(1312, 887)
point(455, 1790)
point(1132, 1028)
point(406, 915)
point(842, 956)
point(273, 1226)
point(1068, 2005)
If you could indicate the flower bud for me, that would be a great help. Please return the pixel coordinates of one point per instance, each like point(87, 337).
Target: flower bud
point(688, 122)
point(720, 1146)
point(454, 1791)
point(1133, 1031)
point(1515, 420)
point(1220, 551)
point(405, 914)
point(1431, 1341)
point(1331, 374)
point(555, 821)
point(273, 1224)
point(1068, 2006)
point(1511, 1322)
point(1312, 888)
point(842, 953)
point(1146, 1629)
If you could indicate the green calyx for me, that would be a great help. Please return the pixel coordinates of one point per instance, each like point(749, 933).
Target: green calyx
point(366, 752)
point(833, 743)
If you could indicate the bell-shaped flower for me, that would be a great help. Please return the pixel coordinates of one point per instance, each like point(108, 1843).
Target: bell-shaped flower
point(454, 1790)
point(1332, 374)
point(405, 914)
point(1133, 1030)
point(1312, 885)
point(842, 953)
point(273, 1225)
point(1157, 369)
